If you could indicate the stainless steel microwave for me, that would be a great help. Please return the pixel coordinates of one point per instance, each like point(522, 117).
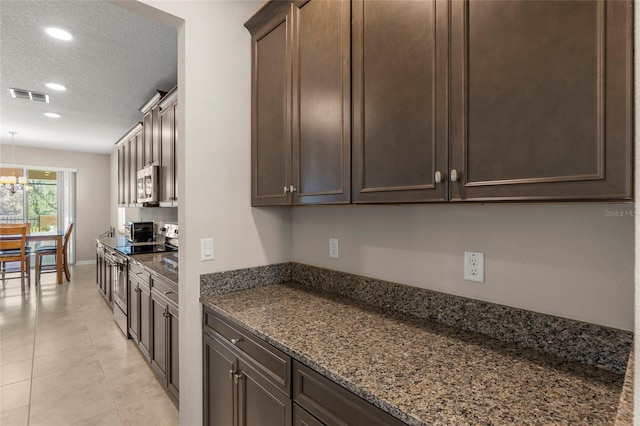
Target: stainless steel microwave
point(148, 184)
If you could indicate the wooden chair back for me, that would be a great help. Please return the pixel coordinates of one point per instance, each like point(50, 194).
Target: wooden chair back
point(13, 238)
point(67, 235)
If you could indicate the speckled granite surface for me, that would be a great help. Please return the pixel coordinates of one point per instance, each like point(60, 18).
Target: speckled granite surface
point(591, 344)
point(241, 279)
point(588, 343)
point(161, 263)
point(421, 371)
point(625, 409)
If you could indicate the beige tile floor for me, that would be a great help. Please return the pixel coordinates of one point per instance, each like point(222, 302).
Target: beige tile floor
point(63, 361)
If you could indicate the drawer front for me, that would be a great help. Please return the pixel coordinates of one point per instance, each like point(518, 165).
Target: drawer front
point(332, 404)
point(169, 290)
point(138, 272)
point(301, 417)
point(269, 361)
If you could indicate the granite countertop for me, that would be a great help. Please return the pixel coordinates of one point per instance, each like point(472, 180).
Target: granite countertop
point(114, 242)
point(420, 371)
point(164, 264)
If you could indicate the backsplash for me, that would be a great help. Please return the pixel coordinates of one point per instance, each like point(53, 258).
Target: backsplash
point(591, 344)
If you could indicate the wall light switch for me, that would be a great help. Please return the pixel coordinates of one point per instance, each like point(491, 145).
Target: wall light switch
point(333, 248)
point(206, 249)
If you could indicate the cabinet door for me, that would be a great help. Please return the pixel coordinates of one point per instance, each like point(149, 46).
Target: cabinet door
point(321, 114)
point(133, 170)
point(271, 115)
point(133, 316)
point(121, 175)
point(140, 151)
point(174, 153)
point(145, 320)
point(168, 161)
point(541, 99)
point(399, 100)
point(259, 402)
point(159, 342)
point(173, 342)
point(219, 390)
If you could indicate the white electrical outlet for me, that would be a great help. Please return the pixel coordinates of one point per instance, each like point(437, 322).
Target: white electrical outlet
point(206, 249)
point(474, 266)
point(333, 248)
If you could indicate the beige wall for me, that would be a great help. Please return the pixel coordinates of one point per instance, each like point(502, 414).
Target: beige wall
point(93, 186)
point(569, 260)
point(214, 186)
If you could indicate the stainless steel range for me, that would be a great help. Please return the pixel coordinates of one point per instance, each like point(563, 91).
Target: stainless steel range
point(169, 237)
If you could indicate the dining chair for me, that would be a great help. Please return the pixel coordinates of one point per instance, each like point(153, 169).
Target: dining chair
point(13, 250)
point(28, 250)
point(51, 251)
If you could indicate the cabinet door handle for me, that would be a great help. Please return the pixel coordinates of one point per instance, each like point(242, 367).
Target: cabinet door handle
point(236, 341)
point(231, 373)
point(454, 175)
point(439, 177)
point(236, 378)
point(286, 189)
point(292, 189)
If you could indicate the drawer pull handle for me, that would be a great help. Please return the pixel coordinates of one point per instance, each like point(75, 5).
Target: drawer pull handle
point(236, 341)
point(167, 292)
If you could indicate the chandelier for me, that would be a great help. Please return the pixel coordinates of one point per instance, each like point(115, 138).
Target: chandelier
point(11, 183)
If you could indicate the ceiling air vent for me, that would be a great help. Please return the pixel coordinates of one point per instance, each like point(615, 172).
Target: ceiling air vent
point(29, 95)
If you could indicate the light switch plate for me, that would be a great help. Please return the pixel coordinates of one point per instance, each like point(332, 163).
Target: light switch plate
point(206, 249)
point(333, 248)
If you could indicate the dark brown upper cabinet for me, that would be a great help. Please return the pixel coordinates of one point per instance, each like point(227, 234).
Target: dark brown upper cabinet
point(399, 101)
point(128, 154)
point(168, 149)
point(151, 150)
point(301, 103)
point(485, 100)
point(541, 100)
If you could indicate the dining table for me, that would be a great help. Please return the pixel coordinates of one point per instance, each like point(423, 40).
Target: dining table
point(56, 236)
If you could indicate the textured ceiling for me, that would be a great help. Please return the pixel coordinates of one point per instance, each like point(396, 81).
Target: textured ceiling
point(114, 64)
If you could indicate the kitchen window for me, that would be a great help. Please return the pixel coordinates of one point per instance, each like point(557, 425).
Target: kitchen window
point(47, 202)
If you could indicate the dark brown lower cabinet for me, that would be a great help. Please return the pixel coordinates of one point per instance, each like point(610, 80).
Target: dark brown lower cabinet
point(235, 393)
point(139, 308)
point(105, 264)
point(165, 343)
point(240, 390)
point(331, 404)
point(133, 317)
point(301, 417)
point(173, 374)
point(145, 320)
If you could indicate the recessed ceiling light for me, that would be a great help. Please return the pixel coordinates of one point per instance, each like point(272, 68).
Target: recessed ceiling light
point(56, 86)
point(59, 33)
point(52, 114)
